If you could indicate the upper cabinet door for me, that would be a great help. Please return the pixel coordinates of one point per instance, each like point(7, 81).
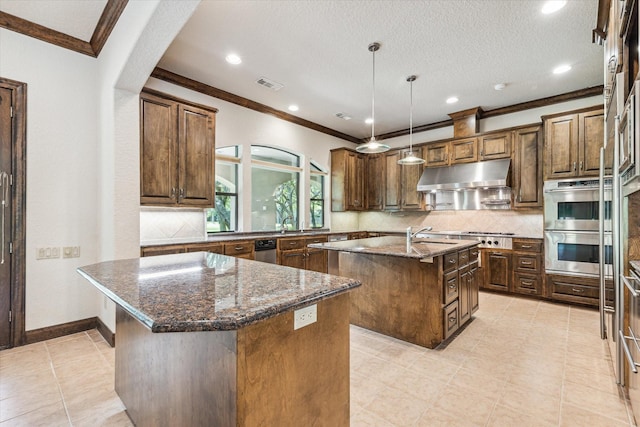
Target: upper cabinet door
point(436, 154)
point(591, 139)
point(561, 147)
point(375, 181)
point(355, 181)
point(464, 150)
point(196, 171)
point(158, 150)
point(392, 182)
point(527, 168)
point(496, 146)
point(411, 198)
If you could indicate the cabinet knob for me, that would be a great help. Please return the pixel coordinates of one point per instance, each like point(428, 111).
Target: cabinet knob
point(574, 166)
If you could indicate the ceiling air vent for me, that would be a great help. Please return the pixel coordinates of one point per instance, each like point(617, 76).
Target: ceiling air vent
point(343, 116)
point(270, 84)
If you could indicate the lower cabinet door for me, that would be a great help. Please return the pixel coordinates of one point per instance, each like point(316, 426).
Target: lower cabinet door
point(463, 296)
point(450, 318)
point(294, 258)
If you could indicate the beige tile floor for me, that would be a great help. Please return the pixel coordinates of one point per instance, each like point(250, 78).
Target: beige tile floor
point(520, 362)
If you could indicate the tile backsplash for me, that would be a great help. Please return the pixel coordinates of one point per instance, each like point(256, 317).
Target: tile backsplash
point(167, 225)
point(527, 223)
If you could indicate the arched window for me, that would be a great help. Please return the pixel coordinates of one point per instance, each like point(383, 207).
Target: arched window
point(275, 184)
point(224, 217)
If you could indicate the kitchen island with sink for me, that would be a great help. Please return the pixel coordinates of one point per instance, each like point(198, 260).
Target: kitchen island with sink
point(422, 295)
point(208, 339)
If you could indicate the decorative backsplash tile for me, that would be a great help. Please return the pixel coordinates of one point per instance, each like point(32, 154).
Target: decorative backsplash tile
point(524, 223)
point(166, 224)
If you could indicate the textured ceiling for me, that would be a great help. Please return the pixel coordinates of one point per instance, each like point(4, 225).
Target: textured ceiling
point(77, 18)
point(318, 50)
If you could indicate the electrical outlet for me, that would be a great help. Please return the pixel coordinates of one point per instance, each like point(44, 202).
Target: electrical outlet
point(47, 252)
point(71, 252)
point(305, 316)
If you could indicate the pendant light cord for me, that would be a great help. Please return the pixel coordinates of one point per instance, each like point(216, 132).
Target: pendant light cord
point(373, 95)
point(411, 114)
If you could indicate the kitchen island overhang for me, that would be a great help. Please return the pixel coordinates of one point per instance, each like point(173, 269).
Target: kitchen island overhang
point(207, 339)
point(421, 295)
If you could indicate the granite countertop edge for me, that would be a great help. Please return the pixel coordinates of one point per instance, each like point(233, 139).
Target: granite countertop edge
point(635, 264)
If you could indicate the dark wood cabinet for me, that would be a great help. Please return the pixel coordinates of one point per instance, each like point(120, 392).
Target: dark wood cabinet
point(401, 182)
point(216, 248)
point(527, 168)
point(392, 190)
point(575, 289)
point(347, 180)
point(240, 249)
point(464, 308)
point(464, 150)
point(293, 252)
point(572, 144)
point(177, 142)
point(162, 250)
point(498, 270)
point(375, 178)
point(528, 268)
point(495, 146)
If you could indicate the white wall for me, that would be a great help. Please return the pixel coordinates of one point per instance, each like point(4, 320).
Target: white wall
point(61, 202)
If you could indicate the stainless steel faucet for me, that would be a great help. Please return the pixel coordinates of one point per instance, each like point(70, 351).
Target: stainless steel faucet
point(282, 225)
point(412, 235)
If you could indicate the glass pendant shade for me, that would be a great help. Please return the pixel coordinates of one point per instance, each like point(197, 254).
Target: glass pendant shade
point(410, 158)
point(372, 146)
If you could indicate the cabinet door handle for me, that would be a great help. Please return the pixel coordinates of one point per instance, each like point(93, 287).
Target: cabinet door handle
point(181, 194)
point(452, 286)
point(452, 261)
point(173, 192)
point(580, 165)
point(239, 248)
point(574, 166)
point(292, 243)
point(453, 319)
point(578, 291)
point(526, 246)
point(526, 262)
point(527, 282)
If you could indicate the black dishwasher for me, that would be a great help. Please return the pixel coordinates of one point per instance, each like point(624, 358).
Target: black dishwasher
point(266, 250)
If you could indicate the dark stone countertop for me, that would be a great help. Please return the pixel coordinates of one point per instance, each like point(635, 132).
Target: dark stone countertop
point(396, 246)
point(203, 291)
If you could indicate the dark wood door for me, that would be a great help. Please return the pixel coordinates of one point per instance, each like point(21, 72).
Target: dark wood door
point(158, 150)
point(316, 260)
point(392, 190)
point(591, 139)
point(295, 258)
point(464, 308)
point(498, 271)
point(527, 168)
point(496, 146)
point(375, 181)
point(464, 150)
point(561, 147)
point(436, 154)
point(411, 197)
point(196, 145)
point(355, 181)
point(474, 287)
point(6, 208)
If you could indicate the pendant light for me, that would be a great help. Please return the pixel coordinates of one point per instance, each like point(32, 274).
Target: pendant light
point(411, 158)
point(373, 146)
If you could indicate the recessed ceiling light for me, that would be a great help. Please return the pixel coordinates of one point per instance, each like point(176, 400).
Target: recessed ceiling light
point(561, 69)
point(343, 116)
point(452, 100)
point(500, 86)
point(553, 6)
point(293, 107)
point(234, 59)
point(368, 120)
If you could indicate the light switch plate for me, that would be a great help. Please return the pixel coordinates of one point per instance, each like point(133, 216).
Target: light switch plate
point(305, 316)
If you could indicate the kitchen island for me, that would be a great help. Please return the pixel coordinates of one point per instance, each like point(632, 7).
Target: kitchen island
point(207, 339)
point(421, 295)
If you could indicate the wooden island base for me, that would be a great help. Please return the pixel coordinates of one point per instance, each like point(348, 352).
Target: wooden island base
point(266, 373)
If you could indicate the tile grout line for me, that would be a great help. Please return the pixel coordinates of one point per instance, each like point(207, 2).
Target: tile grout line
point(53, 370)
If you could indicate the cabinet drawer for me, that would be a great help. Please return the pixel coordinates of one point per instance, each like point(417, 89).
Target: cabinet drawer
point(450, 319)
point(529, 284)
point(216, 248)
point(450, 261)
point(238, 248)
point(450, 286)
point(315, 239)
point(576, 289)
point(288, 244)
point(162, 250)
point(463, 257)
point(527, 263)
point(473, 254)
point(527, 246)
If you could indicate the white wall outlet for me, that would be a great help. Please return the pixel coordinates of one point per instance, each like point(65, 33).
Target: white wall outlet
point(47, 252)
point(71, 252)
point(305, 316)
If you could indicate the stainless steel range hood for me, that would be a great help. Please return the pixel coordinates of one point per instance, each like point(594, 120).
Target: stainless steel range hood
point(491, 173)
point(469, 186)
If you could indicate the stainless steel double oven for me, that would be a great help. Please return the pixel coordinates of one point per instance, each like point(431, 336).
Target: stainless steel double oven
point(572, 222)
